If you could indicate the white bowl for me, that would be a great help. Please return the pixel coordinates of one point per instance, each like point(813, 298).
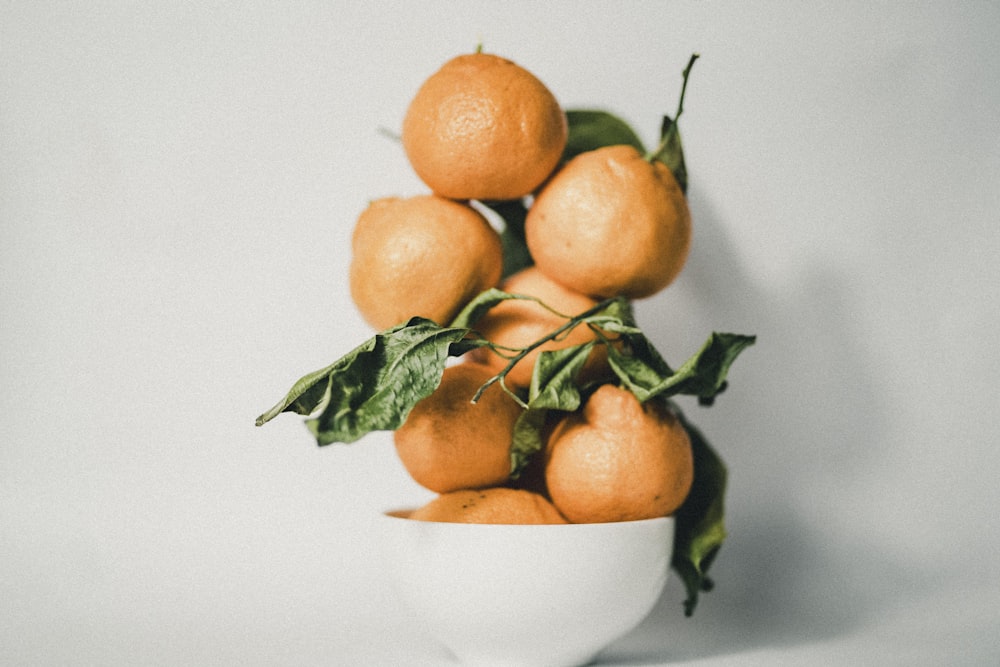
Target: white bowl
point(528, 596)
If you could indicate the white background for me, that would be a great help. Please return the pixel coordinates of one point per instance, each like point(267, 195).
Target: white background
point(178, 181)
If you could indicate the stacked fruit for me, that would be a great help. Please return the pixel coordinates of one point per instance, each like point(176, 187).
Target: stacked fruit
point(607, 223)
point(508, 363)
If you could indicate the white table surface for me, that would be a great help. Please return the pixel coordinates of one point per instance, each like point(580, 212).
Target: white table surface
point(178, 182)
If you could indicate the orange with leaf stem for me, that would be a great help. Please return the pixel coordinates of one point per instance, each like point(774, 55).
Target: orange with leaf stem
point(612, 222)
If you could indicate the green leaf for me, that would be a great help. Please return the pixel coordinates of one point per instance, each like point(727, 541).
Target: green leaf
point(527, 439)
point(553, 387)
point(307, 394)
point(638, 365)
point(700, 527)
point(374, 386)
point(704, 374)
point(671, 152)
point(553, 380)
point(644, 372)
point(592, 129)
point(617, 316)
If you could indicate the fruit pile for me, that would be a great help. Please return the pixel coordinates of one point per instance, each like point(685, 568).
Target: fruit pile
point(507, 362)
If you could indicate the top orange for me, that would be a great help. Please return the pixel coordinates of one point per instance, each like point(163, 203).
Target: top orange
point(483, 127)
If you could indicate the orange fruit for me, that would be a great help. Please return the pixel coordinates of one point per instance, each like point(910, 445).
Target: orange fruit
point(517, 323)
point(610, 223)
point(422, 255)
point(448, 443)
point(618, 460)
point(493, 505)
point(483, 127)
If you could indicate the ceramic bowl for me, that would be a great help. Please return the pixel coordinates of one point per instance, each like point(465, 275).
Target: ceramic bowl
point(528, 596)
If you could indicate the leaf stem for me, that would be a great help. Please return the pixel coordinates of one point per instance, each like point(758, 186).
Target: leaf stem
point(389, 134)
point(571, 323)
point(671, 132)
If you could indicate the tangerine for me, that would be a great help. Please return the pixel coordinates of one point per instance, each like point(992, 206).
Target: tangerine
point(448, 442)
point(610, 223)
point(483, 127)
point(421, 256)
point(497, 505)
point(617, 459)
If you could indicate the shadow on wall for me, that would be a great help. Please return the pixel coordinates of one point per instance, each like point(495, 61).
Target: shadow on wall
point(796, 423)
